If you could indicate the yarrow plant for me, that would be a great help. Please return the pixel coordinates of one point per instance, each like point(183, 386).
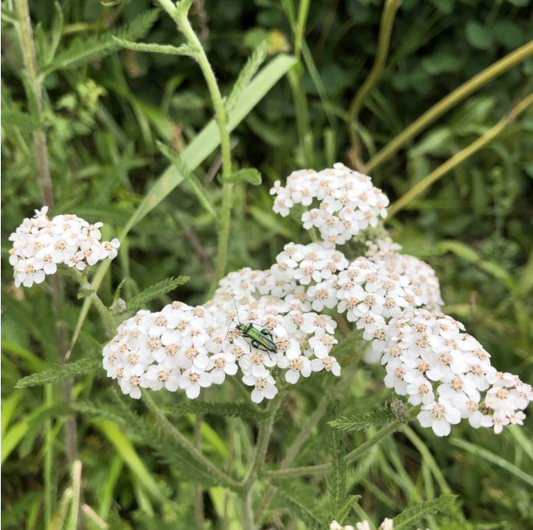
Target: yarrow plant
point(41, 244)
point(342, 293)
point(393, 300)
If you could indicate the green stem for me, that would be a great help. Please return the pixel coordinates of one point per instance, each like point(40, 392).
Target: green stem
point(387, 21)
point(353, 337)
point(461, 156)
point(179, 15)
point(354, 455)
point(195, 453)
point(450, 101)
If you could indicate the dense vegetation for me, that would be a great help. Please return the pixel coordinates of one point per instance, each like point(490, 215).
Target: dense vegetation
point(104, 111)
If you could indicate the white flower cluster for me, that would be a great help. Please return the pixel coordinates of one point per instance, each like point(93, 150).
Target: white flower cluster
point(387, 524)
point(40, 244)
point(347, 201)
point(423, 282)
point(193, 347)
point(429, 358)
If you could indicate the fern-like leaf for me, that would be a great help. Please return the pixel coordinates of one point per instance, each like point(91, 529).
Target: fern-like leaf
point(409, 517)
point(155, 291)
point(226, 409)
point(299, 506)
point(245, 76)
point(361, 422)
point(337, 483)
point(167, 49)
point(60, 371)
point(82, 51)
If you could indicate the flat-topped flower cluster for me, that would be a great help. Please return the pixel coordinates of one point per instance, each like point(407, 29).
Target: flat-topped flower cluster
point(392, 299)
point(41, 244)
point(348, 202)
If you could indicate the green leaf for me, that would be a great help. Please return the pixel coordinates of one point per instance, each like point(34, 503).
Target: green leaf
point(249, 70)
point(16, 119)
point(60, 371)
point(119, 289)
point(299, 507)
point(493, 459)
point(478, 36)
point(337, 484)
point(190, 178)
point(184, 49)
point(155, 291)
point(409, 517)
point(83, 51)
point(250, 175)
point(362, 422)
point(57, 30)
point(233, 409)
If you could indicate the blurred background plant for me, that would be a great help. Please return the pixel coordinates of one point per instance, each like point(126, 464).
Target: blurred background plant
point(103, 111)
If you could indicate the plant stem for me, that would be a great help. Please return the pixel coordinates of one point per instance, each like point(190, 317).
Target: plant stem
point(265, 431)
point(180, 17)
point(25, 34)
point(198, 501)
point(450, 101)
point(354, 336)
point(195, 453)
point(385, 29)
point(354, 455)
point(461, 156)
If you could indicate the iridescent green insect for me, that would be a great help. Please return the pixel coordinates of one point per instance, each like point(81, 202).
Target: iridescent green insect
point(259, 338)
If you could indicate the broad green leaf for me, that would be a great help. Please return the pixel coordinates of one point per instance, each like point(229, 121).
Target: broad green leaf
point(478, 36)
point(9, 406)
point(197, 151)
point(250, 175)
point(190, 178)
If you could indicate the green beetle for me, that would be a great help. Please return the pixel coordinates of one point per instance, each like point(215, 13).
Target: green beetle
point(260, 339)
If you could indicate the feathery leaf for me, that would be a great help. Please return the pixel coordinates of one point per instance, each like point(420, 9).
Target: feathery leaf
point(361, 422)
point(155, 291)
point(82, 51)
point(184, 49)
point(298, 506)
point(60, 371)
point(409, 517)
point(228, 409)
point(246, 74)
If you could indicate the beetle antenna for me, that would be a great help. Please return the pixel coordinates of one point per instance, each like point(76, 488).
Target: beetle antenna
point(236, 309)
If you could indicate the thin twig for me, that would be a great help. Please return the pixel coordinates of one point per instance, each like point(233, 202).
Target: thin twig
point(461, 156)
point(450, 101)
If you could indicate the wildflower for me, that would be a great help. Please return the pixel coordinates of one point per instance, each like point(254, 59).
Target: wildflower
point(40, 245)
point(439, 416)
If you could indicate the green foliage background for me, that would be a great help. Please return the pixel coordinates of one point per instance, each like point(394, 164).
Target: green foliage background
point(474, 226)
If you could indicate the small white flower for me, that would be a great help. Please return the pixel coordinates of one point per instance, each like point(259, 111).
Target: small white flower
point(297, 366)
point(265, 387)
point(330, 364)
point(220, 365)
point(191, 380)
point(439, 416)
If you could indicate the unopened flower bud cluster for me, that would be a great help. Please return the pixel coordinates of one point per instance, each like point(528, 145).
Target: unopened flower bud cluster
point(41, 244)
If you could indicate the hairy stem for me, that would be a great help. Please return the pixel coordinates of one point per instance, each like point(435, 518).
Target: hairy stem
point(180, 17)
point(385, 29)
point(353, 337)
point(198, 500)
point(450, 101)
point(25, 34)
point(461, 156)
point(195, 453)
